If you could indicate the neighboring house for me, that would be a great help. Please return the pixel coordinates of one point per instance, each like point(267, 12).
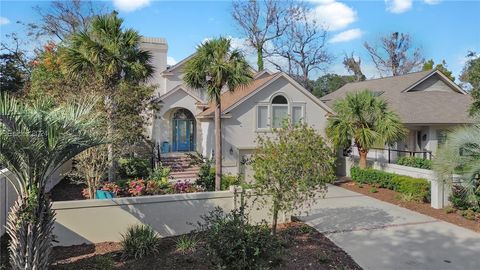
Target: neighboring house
point(185, 119)
point(427, 102)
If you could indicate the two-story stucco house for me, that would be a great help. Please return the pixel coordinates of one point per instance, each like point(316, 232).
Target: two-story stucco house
point(428, 103)
point(185, 121)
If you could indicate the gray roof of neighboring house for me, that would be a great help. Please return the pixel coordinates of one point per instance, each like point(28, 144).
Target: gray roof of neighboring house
point(414, 107)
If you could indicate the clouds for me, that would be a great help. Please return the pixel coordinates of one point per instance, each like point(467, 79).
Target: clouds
point(333, 15)
point(398, 6)
point(171, 61)
point(130, 5)
point(347, 35)
point(401, 6)
point(4, 21)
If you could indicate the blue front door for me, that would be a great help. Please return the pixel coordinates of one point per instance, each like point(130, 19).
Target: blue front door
point(183, 135)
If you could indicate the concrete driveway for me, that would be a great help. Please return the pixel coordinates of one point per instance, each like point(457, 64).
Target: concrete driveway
point(382, 236)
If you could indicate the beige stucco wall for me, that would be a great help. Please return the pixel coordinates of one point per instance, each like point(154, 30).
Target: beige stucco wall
point(94, 221)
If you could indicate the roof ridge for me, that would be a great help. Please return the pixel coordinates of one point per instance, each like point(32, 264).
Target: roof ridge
point(390, 77)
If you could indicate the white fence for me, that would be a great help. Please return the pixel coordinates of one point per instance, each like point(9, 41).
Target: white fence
point(8, 194)
point(94, 221)
point(439, 190)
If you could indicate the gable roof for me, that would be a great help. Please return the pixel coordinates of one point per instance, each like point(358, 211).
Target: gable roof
point(230, 100)
point(414, 107)
point(181, 87)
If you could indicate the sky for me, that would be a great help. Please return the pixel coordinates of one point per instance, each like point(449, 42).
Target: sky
point(443, 29)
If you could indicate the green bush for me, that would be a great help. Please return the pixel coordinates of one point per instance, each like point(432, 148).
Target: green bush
point(235, 244)
point(417, 188)
point(460, 200)
point(139, 241)
point(160, 174)
point(133, 167)
point(415, 162)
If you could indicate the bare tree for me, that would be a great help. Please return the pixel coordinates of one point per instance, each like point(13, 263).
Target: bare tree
point(62, 18)
point(395, 55)
point(261, 22)
point(353, 65)
point(302, 48)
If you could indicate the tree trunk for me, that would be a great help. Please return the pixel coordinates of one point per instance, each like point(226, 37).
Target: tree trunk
point(110, 132)
point(363, 157)
point(274, 218)
point(260, 57)
point(30, 226)
point(218, 146)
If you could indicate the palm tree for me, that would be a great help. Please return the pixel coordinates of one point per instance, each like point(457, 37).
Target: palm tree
point(35, 140)
point(214, 67)
point(461, 155)
point(111, 54)
point(365, 119)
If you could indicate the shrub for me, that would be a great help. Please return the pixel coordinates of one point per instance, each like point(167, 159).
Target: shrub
point(139, 241)
point(372, 176)
point(417, 188)
point(111, 187)
point(160, 174)
point(373, 190)
point(461, 200)
point(186, 243)
point(415, 162)
point(102, 263)
point(449, 209)
point(186, 187)
point(468, 214)
point(235, 244)
point(133, 167)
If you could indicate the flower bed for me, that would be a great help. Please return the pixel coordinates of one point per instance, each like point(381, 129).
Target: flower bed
point(142, 187)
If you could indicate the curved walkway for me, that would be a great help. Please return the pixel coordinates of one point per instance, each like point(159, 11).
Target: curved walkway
point(379, 235)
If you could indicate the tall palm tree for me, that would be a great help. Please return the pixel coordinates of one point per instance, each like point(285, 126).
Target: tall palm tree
point(461, 155)
point(215, 67)
point(365, 119)
point(112, 54)
point(35, 140)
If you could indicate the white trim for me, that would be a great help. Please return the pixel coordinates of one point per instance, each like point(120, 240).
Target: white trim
point(267, 121)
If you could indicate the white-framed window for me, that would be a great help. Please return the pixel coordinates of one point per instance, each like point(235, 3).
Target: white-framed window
point(272, 115)
point(262, 116)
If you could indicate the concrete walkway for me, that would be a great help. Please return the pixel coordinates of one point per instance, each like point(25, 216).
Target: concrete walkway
point(383, 236)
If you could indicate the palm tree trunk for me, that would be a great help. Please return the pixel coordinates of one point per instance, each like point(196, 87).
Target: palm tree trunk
point(30, 226)
point(218, 146)
point(363, 157)
point(110, 132)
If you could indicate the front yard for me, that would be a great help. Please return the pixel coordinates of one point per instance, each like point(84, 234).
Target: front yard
point(304, 248)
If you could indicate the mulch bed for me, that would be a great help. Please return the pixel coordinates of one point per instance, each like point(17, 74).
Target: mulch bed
point(67, 191)
point(393, 197)
point(305, 249)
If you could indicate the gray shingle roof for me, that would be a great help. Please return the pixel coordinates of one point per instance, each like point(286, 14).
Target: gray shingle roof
point(413, 107)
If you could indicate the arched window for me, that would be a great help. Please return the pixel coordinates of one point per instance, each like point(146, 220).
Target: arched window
point(279, 110)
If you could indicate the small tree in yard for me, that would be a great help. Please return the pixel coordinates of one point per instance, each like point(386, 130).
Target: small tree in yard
point(293, 167)
point(90, 167)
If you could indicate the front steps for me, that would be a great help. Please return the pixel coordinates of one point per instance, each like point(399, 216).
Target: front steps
point(181, 168)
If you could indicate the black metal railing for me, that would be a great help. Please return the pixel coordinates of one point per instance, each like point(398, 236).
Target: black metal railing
point(402, 153)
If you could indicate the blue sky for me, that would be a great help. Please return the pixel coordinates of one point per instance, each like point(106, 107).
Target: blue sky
point(442, 29)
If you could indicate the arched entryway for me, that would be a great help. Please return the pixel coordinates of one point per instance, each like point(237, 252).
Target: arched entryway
point(184, 132)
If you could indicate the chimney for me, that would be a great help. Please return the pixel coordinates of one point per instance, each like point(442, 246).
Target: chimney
point(158, 48)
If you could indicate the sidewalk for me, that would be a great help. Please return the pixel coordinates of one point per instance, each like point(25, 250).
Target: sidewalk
point(379, 235)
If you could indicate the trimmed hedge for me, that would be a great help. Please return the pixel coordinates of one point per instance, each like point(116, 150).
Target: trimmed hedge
point(415, 162)
point(419, 188)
